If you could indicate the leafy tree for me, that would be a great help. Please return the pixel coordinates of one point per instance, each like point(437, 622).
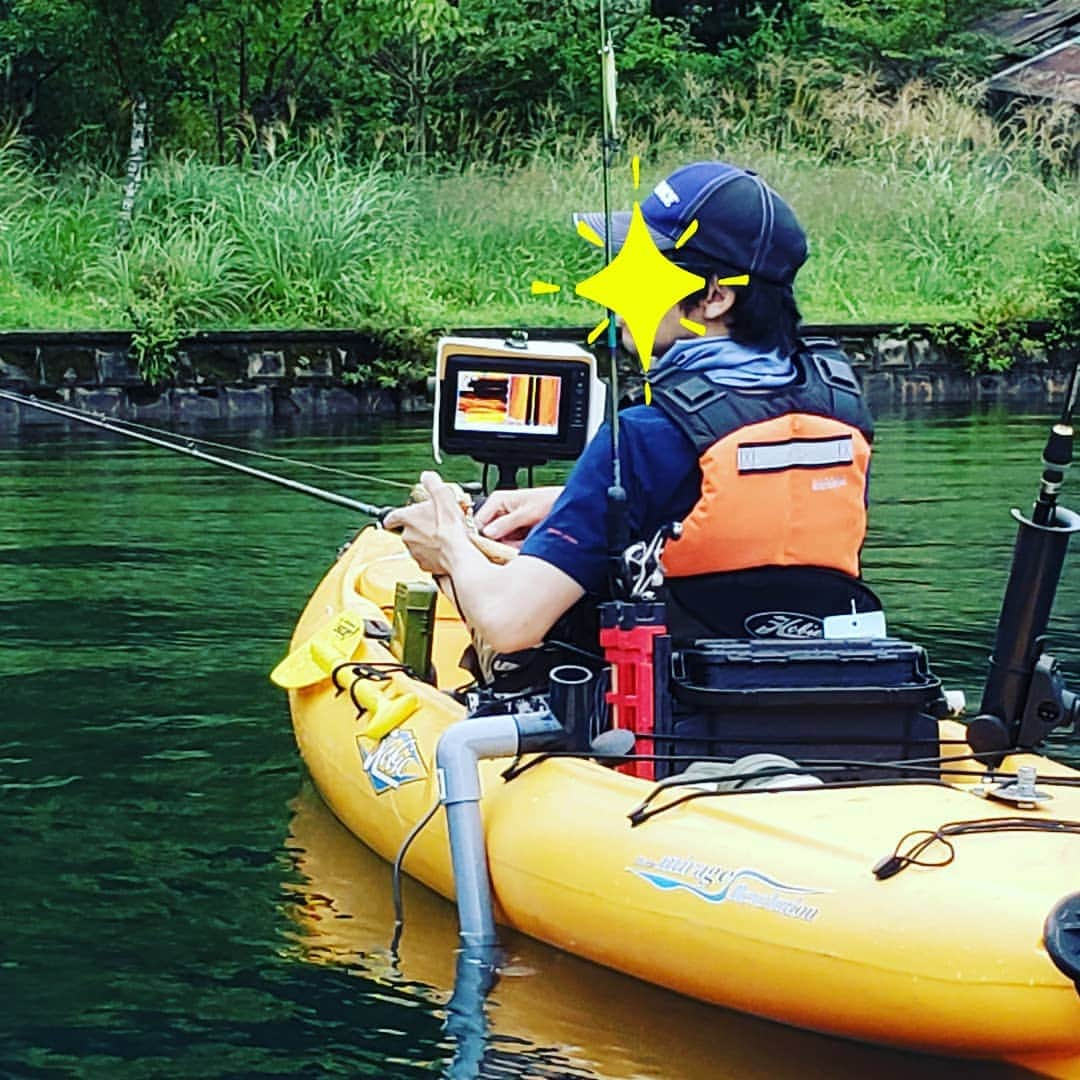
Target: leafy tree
point(906, 38)
point(721, 23)
point(253, 60)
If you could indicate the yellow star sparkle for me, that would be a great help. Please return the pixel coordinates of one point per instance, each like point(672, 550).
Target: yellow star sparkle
point(640, 285)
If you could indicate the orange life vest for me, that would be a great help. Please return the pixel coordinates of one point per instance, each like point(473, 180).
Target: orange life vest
point(783, 472)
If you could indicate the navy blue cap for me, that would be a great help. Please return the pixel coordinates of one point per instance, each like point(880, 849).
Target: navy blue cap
point(742, 224)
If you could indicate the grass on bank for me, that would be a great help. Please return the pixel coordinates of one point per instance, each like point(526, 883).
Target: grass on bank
point(919, 209)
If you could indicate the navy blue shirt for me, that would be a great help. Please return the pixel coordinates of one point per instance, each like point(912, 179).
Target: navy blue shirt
point(662, 480)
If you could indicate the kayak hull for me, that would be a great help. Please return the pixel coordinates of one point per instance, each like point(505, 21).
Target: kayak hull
point(764, 902)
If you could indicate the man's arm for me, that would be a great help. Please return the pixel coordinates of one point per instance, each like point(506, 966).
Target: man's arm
point(510, 606)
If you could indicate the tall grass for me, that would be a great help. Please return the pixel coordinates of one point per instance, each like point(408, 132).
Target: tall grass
point(919, 208)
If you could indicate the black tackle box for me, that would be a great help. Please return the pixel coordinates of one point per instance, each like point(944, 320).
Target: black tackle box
point(864, 700)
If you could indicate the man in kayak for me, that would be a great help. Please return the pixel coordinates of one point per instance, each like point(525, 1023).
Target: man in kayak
point(758, 445)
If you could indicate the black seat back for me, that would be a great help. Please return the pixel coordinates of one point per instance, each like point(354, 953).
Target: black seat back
point(778, 602)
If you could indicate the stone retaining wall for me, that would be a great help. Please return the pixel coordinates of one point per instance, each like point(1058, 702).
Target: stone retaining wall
point(908, 369)
point(254, 376)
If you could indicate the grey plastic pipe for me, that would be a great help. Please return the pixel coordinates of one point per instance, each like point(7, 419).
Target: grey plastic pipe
point(459, 750)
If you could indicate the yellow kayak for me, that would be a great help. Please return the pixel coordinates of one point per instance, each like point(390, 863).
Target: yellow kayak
point(765, 902)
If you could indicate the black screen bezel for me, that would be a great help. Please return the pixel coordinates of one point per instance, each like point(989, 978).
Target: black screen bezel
point(567, 443)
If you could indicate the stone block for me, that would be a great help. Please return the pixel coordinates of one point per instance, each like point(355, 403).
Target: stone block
point(282, 400)
point(152, 406)
point(266, 364)
point(350, 363)
point(69, 366)
point(377, 402)
point(855, 349)
point(114, 367)
point(1025, 386)
point(988, 387)
point(918, 389)
point(892, 351)
point(337, 401)
point(878, 388)
point(255, 402)
point(191, 404)
point(301, 399)
point(106, 401)
point(411, 404)
point(220, 364)
point(10, 415)
point(1057, 383)
point(14, 375)
point(184, 373)
point(924, 353)
point(314, 364)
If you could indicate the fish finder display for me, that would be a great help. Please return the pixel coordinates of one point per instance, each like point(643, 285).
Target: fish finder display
point(507, 403)
point(514, 405)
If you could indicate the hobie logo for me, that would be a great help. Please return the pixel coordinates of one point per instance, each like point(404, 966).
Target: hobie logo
point(719, 885)
point(783, 624)
point(395, 761)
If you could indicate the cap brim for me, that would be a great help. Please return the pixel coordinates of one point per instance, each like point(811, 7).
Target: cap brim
point(620, 227)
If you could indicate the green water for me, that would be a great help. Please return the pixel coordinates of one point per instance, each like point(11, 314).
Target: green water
point(178, 903)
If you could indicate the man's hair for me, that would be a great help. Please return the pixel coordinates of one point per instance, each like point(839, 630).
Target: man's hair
point(764, 315)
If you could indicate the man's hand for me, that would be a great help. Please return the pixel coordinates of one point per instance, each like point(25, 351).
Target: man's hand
point(511, 606)
point(509, 515)
point(432, 530)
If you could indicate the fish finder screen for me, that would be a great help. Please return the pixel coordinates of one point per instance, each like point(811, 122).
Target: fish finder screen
point(507, 403)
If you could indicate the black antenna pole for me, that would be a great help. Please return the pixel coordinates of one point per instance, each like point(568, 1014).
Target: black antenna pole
point(618, 529)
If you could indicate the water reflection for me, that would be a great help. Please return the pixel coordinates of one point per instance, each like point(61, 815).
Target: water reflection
point(550, 1014)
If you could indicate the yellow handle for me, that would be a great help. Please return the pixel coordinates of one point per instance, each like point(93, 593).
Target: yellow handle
point(368, 694)
point(390, 713)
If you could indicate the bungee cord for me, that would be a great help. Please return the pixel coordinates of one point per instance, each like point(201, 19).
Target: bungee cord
point(921, 841)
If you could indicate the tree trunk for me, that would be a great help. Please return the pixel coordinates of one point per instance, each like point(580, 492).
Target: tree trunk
point(136, 163)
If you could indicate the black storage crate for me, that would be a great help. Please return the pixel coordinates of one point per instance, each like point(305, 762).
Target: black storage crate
point(850, 700)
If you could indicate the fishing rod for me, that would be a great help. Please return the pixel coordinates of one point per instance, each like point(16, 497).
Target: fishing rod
point(1058, 455)
point(368, 509)
point(191, 440)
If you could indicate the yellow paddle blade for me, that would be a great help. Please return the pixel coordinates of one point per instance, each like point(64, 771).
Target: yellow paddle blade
point(314, 659)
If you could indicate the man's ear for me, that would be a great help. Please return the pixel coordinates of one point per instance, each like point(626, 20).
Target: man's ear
point(718, 301)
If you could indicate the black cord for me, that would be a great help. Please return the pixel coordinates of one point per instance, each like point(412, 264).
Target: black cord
point(379, 670)
point(924, 839)
point(569, 647)
point(641, 813)
point(395, 879)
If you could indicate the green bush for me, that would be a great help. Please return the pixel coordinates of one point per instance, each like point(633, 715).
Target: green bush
point(1062, 278)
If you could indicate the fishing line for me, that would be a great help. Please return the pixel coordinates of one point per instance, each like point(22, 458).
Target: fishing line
point(191, 440)
point(280, 458)
point(368, 509)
